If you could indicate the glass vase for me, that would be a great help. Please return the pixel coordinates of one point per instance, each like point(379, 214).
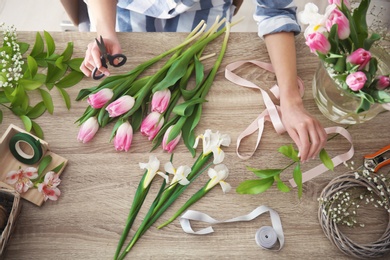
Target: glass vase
point(339, 105)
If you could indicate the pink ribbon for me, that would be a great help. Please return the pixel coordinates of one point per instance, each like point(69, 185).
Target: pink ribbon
point(272, 114)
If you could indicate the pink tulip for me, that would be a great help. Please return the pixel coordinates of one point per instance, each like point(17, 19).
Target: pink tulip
point(99, 99)
point(172, 144)
point(359, 57)
point(356, 80)
point(120, 106)
point(160, 100)
point(383, 82)
point(123, 137)
point(338, 3)
point(337, 17)
point(88, 130)
point(152, 125)
point(318, 42)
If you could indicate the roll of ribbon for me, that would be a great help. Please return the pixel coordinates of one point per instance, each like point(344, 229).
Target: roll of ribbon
point(19, 153)
point(266, 237)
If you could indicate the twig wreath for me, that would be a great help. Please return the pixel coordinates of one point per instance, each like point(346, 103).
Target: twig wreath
point(331, 214)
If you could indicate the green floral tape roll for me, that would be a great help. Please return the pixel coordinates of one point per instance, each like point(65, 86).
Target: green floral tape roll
point(17, 151)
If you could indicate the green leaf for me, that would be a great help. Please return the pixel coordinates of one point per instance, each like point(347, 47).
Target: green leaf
point(325, 159)
point(297, 175)
point(75, 64)
point(23, 47)
point(186, 108)
point(65, 97)
point(289, 151)
point(370, 41)
point(37, 110)
point(136, 119)
point(266, 173)
point(51, 47)
point(360, 22)
point(282, 186)
point(27, 122)
point(381, 95)
point(38, 46)
point(47, 100)
point(59, 63)
point(37, 130)
point(254, 186)
point(43, 164)
point(70, 80)
point(68, 52)
point(58, 168)
point(53, 75)
point(3, 98)
point(29, 84)
point(32, 66)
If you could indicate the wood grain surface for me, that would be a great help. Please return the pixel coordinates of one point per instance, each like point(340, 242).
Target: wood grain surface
point(99, 183)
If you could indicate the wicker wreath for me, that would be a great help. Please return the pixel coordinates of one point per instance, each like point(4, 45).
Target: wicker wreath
point(343, 183)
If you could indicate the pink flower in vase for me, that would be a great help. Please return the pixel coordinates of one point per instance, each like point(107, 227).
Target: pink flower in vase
point(123, 137)
point(172, 144)
point(160, 100)
point(318, 42)
point(152, 125)
point(356, 80)
point(100, 98)
point(49, 186)
point(337, 17)
point(359, 57)
point(383, 82)
point(21, 178)
point(338, 3)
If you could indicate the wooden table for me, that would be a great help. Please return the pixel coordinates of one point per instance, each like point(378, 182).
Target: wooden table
point(99, 183)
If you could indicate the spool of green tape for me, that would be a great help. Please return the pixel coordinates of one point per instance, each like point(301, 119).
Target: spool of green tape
point(20, 154)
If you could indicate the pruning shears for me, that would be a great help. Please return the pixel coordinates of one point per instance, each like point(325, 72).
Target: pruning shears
point(373, 162)
point(120, 58)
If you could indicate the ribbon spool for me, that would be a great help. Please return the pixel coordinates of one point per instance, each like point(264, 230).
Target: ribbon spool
point(25, 148)
point(266, 237)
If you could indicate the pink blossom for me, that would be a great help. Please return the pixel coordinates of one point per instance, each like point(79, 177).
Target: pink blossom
point(120, 106)
point(88, 130)
point(160, 100)
point(123, 137)
point(21, 178)
point(172, 144)
point(356, 80)
point(318, 42)
point(152, 125)
point(359, 57)
point(49, 186)
point(383, 82)
point(99, 99)
point(337, 17)
point(338, 3)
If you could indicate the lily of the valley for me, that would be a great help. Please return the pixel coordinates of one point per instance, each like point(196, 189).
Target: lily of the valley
point(151, 125)
point(160, 100)
point(120, 106)
point(88, 130)
point(212, 144)
point(49, 187)
point(100, 98)
point(123, 137)
point(218, 175)
point(169, 146)
point(152, 168)
point(21, 179)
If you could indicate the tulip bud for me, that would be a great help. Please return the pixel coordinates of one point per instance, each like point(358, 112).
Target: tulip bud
point(152, 125)
point(383, 82)
point(160, 100)
point(338, 3)
point(318, 42)
point(123, 137)
point(337, 17)
point(359, 57)
point(88, 130)
point(100, 98)
point(356, 80)
point(172, 144)
point(120, 106)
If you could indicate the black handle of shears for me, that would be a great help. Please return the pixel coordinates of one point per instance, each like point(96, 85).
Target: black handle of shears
point(119, 57)
point(95, 71)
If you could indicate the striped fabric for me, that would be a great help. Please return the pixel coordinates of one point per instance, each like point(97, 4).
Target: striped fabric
point(183, 15)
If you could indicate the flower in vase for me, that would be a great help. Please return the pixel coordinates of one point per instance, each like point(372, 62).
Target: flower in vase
point(383, 82)
point(49, 186)
point(338, 3)
point(318, 42)
point(359, 57)
point(100, 98)
point(356, 80)
point(123, 137)
point(120, 106)
point(21, 179)
point(337, 17)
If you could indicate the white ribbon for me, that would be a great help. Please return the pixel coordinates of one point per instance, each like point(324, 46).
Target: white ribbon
point(263, 236)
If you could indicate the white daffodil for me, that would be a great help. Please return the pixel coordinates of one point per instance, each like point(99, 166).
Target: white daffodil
point(218, 174)
point(314, 20)
point(212, 143)
point(179, 175)
point(152, 167)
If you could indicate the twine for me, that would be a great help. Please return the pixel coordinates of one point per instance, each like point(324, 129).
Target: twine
point(346, 245)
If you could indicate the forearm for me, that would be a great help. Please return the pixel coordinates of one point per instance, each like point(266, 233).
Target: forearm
point(281, 49)
point(104, 15)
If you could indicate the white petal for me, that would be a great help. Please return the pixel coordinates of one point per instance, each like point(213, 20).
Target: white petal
point(164, 176)
point(197, 141)
point(168, 167)
point(225, 186)
point(212, 173)
point(184, 181)
point(219, 155)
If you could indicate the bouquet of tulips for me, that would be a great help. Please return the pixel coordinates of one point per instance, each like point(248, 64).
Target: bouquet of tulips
point(342, 41)
point(150, 103)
